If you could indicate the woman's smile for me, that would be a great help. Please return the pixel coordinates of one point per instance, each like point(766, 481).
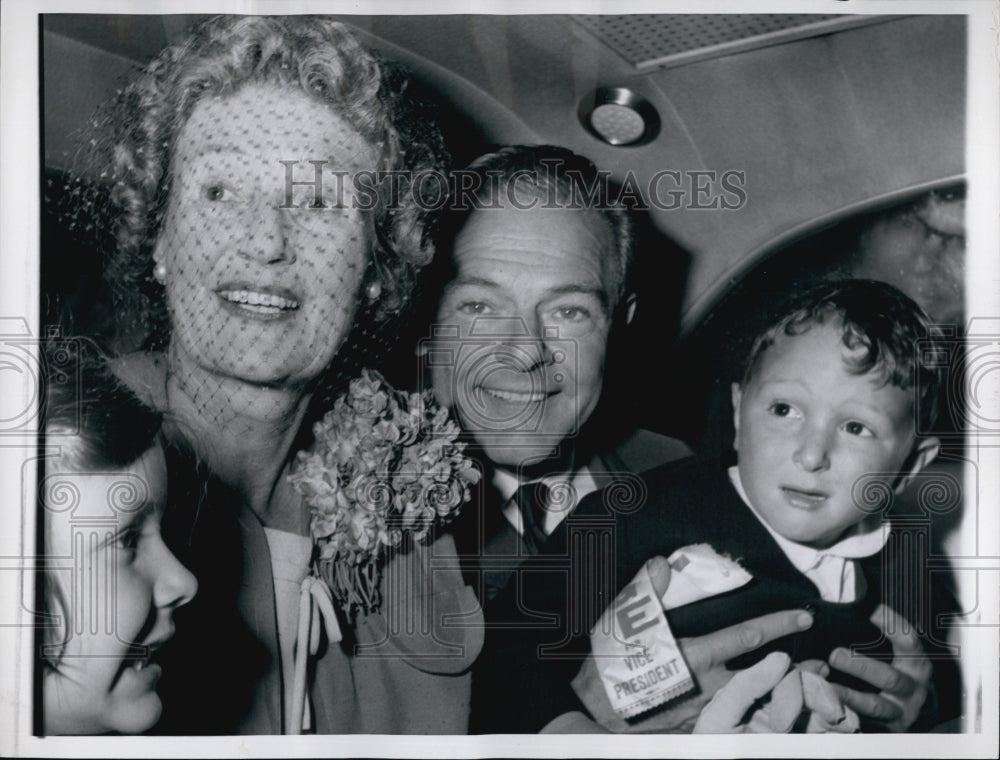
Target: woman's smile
point(258, 302)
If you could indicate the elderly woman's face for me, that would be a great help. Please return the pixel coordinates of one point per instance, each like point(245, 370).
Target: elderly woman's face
point(263, 284)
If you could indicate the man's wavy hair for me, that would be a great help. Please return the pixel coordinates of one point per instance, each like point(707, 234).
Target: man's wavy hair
point(315, 55)
point(550, 176)
point(872, 315)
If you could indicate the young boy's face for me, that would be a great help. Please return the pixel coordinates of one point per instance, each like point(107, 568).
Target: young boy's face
point(807, 430)
point(119, 587)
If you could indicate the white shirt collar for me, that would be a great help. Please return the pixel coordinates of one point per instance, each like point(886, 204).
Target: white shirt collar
point(862, 541)
point(570, 491)
point(506, 483)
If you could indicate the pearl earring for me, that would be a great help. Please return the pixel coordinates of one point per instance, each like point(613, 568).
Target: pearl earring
point(160, 273)
point(373, 291)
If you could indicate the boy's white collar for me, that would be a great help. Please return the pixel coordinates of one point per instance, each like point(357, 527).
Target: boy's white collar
point(862, 541)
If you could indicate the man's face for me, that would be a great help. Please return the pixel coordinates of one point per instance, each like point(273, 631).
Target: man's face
point(523, 329)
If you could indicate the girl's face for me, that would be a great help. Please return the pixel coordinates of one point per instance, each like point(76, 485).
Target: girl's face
point(117, 590)
point(262, 281)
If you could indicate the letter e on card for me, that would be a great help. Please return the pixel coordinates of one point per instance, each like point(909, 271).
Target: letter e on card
point(640, 663)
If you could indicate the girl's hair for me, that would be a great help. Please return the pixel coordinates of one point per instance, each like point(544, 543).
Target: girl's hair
point(313, 55)
point(99, 425)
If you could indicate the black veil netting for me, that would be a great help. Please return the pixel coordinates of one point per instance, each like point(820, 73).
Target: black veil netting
point(87, 290)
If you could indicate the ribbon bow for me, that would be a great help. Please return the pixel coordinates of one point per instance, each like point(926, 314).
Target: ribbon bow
point(315, 605)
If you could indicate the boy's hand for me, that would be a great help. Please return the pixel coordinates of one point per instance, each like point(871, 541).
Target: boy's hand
point(903, 685)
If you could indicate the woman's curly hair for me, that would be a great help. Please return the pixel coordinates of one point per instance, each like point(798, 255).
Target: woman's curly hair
point(323, 59)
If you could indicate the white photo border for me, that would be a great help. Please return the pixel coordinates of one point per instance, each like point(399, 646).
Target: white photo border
point(19, 295)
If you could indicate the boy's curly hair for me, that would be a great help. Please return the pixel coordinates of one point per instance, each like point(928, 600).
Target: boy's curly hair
point(874, 316)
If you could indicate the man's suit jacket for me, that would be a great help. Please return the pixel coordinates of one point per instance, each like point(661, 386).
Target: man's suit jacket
point(491, 549)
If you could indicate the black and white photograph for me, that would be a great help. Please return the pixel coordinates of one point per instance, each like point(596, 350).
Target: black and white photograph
point(474, 379)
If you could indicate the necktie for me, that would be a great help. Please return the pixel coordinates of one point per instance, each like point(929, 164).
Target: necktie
point(531, 500)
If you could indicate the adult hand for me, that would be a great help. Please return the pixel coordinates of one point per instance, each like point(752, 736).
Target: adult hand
point(706, 657)
point(903, 685)
point(727, 712)
point(823, 708)
point(772, 696)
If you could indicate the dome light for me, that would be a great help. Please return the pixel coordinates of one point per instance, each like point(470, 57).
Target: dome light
point(619, 117)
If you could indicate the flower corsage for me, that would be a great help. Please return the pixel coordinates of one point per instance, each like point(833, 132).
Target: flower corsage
point(384, 464)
